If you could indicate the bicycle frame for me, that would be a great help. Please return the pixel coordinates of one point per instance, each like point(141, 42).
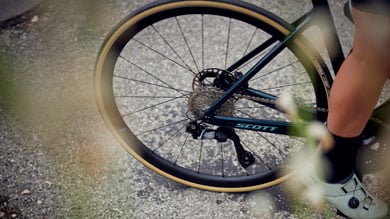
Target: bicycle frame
point(320, 10)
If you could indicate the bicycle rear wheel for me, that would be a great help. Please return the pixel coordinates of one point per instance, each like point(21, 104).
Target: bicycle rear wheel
point(144, 77)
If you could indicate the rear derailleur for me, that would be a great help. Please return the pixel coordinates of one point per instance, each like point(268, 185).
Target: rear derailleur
point(222, 134)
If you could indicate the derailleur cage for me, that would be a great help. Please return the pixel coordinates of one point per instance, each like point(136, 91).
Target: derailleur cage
point(221, 134)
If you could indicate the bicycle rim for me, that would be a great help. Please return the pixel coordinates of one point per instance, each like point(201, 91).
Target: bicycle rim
point(144, 75)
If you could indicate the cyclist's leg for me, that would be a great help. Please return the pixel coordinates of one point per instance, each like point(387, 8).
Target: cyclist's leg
point(356, 89)
point(354, 94)
point(360, 80)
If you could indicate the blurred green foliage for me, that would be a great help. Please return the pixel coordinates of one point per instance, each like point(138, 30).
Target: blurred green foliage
point(8, 90)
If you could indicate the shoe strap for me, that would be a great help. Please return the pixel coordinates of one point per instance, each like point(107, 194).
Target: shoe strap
point(359, 194)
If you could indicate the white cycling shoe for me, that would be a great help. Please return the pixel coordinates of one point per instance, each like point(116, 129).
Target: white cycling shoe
point(350, 197)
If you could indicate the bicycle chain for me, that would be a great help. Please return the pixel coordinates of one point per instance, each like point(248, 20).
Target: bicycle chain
point(269, 101)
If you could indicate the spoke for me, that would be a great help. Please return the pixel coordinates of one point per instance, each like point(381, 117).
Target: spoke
point(150, 97)
point(254, 59)
point(160, 127)
point(253, 55)
point(150, 74)
point(173, 49)
point(250, 42)
point(187, 44)
point(222, 160)
point(200, 156)
point(203, 41)
point(149, 107)
point(273, 145)
point(165, 56)
point(181, 149)
point(288, 85)
point(169, 138)
point(250, 116)
point(227, 42)
point(275, 70)
point(152, 84)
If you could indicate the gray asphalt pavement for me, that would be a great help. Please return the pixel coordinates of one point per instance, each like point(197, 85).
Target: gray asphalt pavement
point(57, 158)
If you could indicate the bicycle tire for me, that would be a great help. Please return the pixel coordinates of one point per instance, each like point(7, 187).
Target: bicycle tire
point(114, 95)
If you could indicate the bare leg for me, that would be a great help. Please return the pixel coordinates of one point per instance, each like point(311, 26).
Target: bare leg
point(361, 78)
point(354, 94)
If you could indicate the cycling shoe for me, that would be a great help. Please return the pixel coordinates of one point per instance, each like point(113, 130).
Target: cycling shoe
point(350, 197)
